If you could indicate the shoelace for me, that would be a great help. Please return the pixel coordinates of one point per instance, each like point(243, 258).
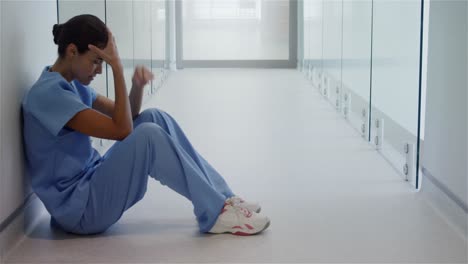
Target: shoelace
point(235, 204)
point(244, 211)
point(235, 201)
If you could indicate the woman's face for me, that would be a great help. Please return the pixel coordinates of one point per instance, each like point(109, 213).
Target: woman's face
point(86, 66)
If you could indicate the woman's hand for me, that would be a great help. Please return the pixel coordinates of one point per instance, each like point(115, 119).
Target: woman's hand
point(141, 77)
point(109, 54)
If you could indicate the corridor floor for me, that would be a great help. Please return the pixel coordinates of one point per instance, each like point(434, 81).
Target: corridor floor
point(330, 196)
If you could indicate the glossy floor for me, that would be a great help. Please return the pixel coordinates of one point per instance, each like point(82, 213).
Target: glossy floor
point(330, 196)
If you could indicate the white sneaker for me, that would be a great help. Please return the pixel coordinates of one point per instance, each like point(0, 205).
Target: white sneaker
point(239, 221)
point(237, 201)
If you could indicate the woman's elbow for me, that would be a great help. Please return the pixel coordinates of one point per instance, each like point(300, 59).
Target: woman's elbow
point(124, 133)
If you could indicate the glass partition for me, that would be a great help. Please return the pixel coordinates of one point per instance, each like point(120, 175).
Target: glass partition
point(306, 36)
point(142, 37)
point(369, 70)
point(332, 44)
point(158, 43)
point(354, 97)
point(395, 82)
point(315, 47)
point(139, 27)
point(120, 21)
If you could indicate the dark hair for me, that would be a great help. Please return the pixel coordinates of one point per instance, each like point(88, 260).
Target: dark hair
point(80, 30)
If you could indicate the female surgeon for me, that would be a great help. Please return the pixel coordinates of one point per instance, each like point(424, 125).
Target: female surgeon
point(86, 193)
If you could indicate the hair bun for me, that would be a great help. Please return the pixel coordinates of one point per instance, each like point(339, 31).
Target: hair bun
point(57, 29)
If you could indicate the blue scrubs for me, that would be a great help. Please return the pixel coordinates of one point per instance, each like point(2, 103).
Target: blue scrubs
point(86, 193)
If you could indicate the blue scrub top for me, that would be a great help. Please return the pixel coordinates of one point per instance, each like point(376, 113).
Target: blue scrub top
point(60, 161)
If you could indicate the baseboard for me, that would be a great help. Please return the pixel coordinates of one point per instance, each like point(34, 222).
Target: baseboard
point(23, 222)
point(445, 204)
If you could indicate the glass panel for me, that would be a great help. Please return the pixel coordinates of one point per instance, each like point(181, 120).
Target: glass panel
point(306, 33)
point(139, 28)
point(120, 21)
point(366, 52)
point(158, 42)
point(395, 79)
point(236, 30)
point(316, 40)
point(354, 96)
point(142, 37)
point(332, 33)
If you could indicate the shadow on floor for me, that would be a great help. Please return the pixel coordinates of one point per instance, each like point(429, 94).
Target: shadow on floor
point(46, 230)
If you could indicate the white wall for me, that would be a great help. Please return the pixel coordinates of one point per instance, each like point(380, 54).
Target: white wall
point(445, 151)
point(26, 47)
point(444, 154)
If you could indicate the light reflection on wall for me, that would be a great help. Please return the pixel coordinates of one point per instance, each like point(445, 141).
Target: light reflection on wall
point(228, 9)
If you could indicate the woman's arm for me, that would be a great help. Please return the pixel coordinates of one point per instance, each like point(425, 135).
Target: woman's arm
point(119, 124)
point(141, 77)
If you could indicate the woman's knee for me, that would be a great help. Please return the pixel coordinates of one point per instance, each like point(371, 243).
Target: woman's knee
point(153, 115)
point(148, 129)
point(149, 115)
point(149, 132)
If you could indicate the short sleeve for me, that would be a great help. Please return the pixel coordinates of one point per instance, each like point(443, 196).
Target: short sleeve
point(93, 95)
point(55, 106)
point(88, 95)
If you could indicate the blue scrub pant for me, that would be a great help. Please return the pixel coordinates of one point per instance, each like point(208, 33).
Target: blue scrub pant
point(157, 147)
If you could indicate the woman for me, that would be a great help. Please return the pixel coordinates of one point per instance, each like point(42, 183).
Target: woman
point(86, 193)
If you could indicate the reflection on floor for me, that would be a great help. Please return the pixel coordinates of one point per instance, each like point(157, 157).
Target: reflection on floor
point(330, 196)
